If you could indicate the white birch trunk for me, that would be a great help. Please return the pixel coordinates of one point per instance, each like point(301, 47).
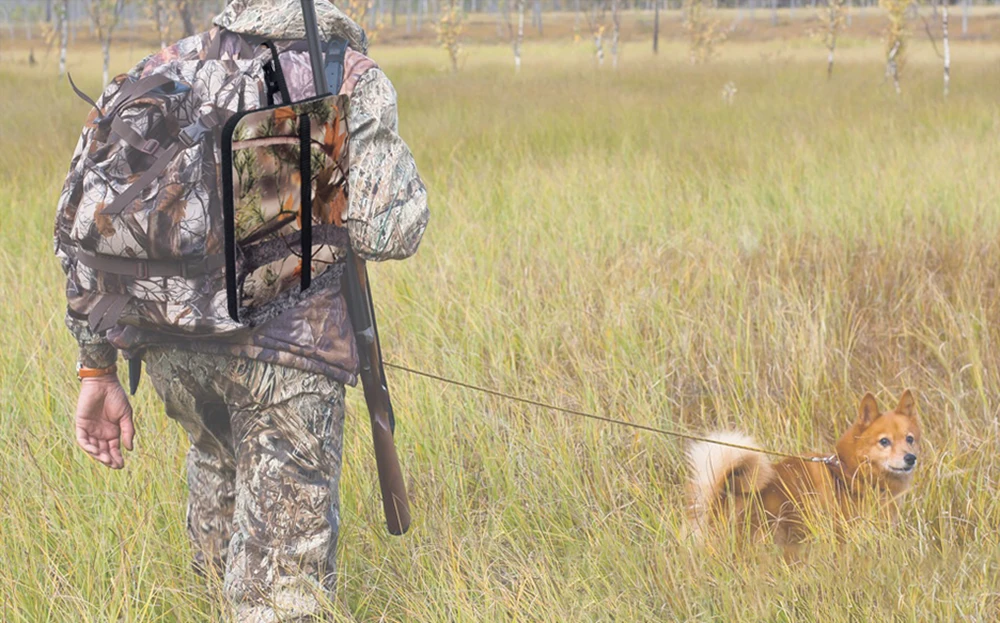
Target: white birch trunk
point(947, 47)
point(965, 18)
point(162, 26)
point(520, 35)
point(63, 35)
point(892, 69)
point(614, 33)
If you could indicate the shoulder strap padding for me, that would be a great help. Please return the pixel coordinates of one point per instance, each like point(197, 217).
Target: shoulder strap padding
point(336, 50)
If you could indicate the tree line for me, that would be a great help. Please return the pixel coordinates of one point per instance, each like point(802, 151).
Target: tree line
point(57, 22)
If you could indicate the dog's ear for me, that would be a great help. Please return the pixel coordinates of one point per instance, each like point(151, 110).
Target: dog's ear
point(868, 411)
point(907, 404)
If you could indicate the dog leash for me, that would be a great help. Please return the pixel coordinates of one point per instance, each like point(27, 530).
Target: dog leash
point(831, 460)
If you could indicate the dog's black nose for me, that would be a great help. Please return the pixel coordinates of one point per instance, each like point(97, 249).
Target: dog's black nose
point(910, 459)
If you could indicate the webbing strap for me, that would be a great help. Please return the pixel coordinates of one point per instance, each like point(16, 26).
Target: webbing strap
point(133, 138)
point(188, 136)
point(123, 200)
point(81, 94)
point(107, 311)
point(246, 52)
point(275, 77)
point(305, 203)
point(147, 268)
point(134, 90)
point(214, 50)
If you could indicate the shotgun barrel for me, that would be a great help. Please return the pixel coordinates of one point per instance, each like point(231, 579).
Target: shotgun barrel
point(362, 313)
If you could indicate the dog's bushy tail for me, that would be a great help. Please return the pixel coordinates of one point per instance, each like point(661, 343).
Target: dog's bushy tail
point(721, 472)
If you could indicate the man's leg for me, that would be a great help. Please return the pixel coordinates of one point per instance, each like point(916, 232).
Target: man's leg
point(181, 379)
point(288, 427)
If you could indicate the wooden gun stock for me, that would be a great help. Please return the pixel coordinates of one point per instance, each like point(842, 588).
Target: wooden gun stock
point(390, 475)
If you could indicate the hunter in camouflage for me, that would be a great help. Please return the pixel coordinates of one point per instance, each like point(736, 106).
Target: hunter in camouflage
point(264, 408)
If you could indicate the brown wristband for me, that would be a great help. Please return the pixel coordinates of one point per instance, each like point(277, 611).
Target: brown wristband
point(92, 373)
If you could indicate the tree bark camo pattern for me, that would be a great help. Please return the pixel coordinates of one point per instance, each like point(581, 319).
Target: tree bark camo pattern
point(263, 475)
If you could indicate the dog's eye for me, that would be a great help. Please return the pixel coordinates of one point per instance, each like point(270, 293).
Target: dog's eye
point(909, 439)
point(885, 443)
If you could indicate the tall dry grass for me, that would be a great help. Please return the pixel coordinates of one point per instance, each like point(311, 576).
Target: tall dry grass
point(625, 243)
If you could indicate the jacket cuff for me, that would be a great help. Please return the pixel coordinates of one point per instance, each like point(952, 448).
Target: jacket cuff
point(98, 355)
point(95, 350)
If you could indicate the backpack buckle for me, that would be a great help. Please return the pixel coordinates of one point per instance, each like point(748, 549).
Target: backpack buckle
point(142, 269)
point(190, 135)
point(188, 268)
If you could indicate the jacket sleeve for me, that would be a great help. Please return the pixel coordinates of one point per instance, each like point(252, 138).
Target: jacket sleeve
point(387, 207)
point(95, 351)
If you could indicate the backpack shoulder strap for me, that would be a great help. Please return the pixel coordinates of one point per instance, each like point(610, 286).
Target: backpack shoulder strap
point(336, 50)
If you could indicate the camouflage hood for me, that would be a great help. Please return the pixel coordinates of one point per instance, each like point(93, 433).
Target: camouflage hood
point(282, 19)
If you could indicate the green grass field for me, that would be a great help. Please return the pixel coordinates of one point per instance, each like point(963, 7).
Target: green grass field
point(625, 243)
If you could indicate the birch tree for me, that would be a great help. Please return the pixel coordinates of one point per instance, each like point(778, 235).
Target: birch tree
point(947, 47)
point(833, 18)
point(704, 35)
point(105, 16)
point(615, 32)
point(157, 10)
point(62, 25)
point(595, 19)
point(516, 33)
point(946, 56)
point(895, 39)
point(449, 28)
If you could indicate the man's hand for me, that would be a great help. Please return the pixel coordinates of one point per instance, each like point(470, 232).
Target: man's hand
point(104, 420)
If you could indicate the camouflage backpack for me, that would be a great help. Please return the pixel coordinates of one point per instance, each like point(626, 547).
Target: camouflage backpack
point(150, 210)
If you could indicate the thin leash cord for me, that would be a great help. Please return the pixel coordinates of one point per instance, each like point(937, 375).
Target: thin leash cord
point(600, 418)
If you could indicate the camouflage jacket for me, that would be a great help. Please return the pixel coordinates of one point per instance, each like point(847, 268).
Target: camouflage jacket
point(385, 217)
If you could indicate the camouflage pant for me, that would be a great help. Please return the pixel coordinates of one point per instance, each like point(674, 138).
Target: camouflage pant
point(263, 472)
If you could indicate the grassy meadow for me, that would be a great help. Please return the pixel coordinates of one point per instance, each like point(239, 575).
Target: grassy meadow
point(620, 242)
